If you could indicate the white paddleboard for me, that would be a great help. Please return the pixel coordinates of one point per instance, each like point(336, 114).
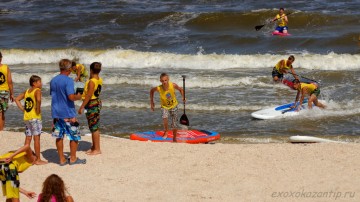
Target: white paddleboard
point(310, 139)
point(278, 111)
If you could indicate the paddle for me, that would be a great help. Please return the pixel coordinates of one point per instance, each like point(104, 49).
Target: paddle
point(257, 28)
point(302, 77)
point(183, 119)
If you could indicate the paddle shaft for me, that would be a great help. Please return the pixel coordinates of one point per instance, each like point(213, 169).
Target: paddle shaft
point(302, 77)
point(257, 28)
point(183, 76)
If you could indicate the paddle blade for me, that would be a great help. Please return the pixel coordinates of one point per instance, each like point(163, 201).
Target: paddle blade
point(257, 28)
point(184, 120)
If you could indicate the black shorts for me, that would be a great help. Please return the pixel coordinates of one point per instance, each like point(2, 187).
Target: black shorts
point(276, 73)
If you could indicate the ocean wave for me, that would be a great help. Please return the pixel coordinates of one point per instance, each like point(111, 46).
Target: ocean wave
point(117, 58)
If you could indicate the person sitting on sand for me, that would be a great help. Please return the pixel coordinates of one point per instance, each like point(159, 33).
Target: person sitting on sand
point(168, 102)
point(282, 22)
point(282, 68)
point(11, 164)
point(311, 89)
point(54, 190)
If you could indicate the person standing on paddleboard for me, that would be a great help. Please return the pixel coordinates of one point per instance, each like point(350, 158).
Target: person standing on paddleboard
point(282, 68)
point(168, 103)
point(282, 22)
point(310, 89)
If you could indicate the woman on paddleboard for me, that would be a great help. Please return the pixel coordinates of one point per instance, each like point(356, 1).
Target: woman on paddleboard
point(282, 22)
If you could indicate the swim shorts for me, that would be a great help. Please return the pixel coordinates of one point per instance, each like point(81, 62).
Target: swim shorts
point(93, 109)
point(70, 129)
point(316, 92)
point(10, 180)
point(4, 100)
point(33, 127)
point(276, 73)
point(173, 115)
point(281, 29)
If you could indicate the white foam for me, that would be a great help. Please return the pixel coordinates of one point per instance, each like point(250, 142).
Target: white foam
point(118, 58)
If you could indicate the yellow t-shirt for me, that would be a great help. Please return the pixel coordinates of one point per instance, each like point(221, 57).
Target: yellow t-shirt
point(281, 20)
point(278, 65)
point(4, 77)
point(97, 88)
point(167, 97)
point(30, 106)
point(311, 87)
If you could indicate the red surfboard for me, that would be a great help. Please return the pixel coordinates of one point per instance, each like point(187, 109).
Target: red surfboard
point(184, 136)
point(280, 34)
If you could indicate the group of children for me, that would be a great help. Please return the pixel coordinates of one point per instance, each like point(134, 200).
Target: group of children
point(13, 163)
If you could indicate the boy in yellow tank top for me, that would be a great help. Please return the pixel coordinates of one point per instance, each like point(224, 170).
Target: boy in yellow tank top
point(168, 102)
point(80, 71)
point(282, 68)
point(32, 114)
point(310, 89)
point(282, 21)
point(6, 91)
point(92, 104)
point(11, 164)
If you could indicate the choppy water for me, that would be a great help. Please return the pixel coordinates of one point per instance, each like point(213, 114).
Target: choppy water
point(227, 63)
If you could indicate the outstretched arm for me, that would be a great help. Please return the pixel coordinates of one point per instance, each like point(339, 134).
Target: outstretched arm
point(296, 99)
point(293, 73)
point(21, 149)
point(29, 194)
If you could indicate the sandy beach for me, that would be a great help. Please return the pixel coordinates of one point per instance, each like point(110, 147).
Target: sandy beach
point(144, 171)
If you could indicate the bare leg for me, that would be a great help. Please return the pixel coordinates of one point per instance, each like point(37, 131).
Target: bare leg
point(165, 120)
point(318, 104)
point(174, 134)
point(73, 148)
point(2, 121)
point(276, 79)
point(96, 143)
point(60, 149)
point(37, 151)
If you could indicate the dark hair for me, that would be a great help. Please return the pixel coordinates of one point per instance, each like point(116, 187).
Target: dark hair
point(73, 63)
point(0, 55)
point(95, 67)
point(282, 9)
point(53, 186)
point(291, 57)
point(163, 74)
point(295, 81)
point(34, 78)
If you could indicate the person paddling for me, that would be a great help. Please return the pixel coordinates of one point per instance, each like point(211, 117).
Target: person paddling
point(282, 22)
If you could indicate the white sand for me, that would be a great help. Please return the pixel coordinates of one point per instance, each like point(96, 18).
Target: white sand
point(144, 171)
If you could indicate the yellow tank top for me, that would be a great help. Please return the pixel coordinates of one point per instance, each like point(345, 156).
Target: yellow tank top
point(311, 87)
point(4, 77)
point(30, 105)
point(19, 161)
point(167, 97)
point(278, 65)
point(82, 69)
point(281, 20)
point(97, 88)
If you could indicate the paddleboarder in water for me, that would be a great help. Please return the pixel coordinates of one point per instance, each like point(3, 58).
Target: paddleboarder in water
point(168, 103)
point(282, 68)
point(310, 89)
point(282, 22)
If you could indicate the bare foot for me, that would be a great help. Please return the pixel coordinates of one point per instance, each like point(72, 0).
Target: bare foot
point(165, 135)
point(95, 152)
point(40, 162)
point(90, 150)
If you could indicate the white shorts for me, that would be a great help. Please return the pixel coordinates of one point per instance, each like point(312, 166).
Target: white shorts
point(33, 127)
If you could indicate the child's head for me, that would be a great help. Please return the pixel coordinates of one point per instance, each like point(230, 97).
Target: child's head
point(95, 67)
point(35, 81)
point(164, 78)
point(73, 65)
point(53, 186)
point(296, 83)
